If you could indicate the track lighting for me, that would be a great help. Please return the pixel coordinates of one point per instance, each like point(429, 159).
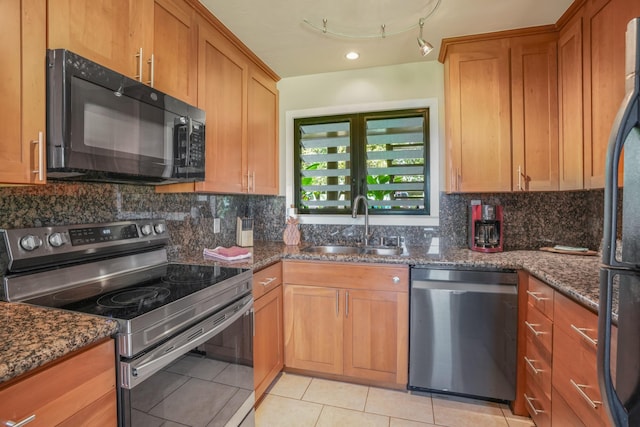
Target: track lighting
point(425, 46)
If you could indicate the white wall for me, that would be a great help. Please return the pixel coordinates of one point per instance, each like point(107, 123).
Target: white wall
point(418, 80)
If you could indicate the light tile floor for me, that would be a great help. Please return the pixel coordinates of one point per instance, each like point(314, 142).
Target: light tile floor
point(300, 401)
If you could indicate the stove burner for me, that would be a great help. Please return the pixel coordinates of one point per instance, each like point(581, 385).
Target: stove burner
point(133, 297)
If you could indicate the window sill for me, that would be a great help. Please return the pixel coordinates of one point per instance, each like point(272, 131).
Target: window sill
point(396, 220)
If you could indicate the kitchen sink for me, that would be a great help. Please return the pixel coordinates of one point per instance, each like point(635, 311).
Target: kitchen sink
point(393, 250)
point(353, 250)
point(333, 249)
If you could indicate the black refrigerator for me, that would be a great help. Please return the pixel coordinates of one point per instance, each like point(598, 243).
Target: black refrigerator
point(620, 272)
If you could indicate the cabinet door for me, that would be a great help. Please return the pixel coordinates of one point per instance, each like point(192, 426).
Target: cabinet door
point(605, 25)
point(97, 30)
point(375, 337)
point(534, 83)
point(22, 90)
point(479, 117)
point(262, 134)
point(267, 342)
point(222, 94)
point(174, 67)
point(313, 325)
point(571, 105)
point(71, 392)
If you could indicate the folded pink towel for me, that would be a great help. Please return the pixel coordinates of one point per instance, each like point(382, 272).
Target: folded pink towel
point(232, 251)
point(227, 254)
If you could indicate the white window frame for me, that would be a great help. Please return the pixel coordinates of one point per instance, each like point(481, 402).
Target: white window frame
point(434, 164)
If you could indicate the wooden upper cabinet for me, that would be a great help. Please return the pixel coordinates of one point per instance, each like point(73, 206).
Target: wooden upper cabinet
point(241, 102)
point(605, 25)
point(153, 41)
point(174, 46)
point(22, 89)
point(222, 94)
point(97, 30)
point(534, 109)
point(262, 134)
point(478, 116)
point(570, 101)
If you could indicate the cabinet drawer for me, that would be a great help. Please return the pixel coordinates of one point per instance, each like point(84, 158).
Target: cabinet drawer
point(538, 367)
point(266, 279)
point(575, 378)
point(56, 393)
point(539, 329)
point(562, 414)
point(541, 296)
point(380, 277)
point(577, 322)
point(538, 405)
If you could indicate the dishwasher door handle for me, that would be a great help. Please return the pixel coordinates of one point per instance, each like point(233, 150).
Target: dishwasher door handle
point(457, 287)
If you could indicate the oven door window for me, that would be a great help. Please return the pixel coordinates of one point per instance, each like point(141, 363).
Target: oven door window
point(117, 133)
point(212, 383)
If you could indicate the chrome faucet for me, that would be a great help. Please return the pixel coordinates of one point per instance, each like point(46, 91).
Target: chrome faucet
point(354, 214)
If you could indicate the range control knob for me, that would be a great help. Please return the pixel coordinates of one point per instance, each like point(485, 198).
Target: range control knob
point(56, 240)
point(146, 229)
point(160, 228)
point(30, 242)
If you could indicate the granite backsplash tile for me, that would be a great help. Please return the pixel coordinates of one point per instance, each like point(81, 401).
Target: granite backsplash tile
point(532, 219)
point(189, 216)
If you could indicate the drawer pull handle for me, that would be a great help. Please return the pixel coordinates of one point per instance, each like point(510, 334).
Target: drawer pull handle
point(579, 387)
point(533, 328)
point(530, 403)
point(268, 281)
point(583, 333)
point(20, 423)
point(535, 296)
point(536, 371)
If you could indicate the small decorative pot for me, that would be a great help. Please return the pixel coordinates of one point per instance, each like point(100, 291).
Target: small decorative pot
point(291, 235)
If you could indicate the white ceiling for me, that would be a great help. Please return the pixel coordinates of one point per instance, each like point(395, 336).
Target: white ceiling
point(274, 29)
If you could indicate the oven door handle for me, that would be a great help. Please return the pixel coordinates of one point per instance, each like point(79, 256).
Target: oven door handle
point(135, 371)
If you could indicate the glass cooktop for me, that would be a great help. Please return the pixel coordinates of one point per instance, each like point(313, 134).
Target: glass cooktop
point(158, 287)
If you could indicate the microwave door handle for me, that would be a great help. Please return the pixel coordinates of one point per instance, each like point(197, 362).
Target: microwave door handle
point(617, 411)
point(187, 157)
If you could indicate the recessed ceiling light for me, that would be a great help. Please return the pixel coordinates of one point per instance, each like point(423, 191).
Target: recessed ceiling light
point(352, 55)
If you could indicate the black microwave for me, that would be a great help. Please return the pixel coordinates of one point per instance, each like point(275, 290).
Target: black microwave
point(104, 126)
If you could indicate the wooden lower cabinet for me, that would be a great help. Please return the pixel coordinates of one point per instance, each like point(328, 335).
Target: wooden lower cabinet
point(268, 357)
point(560, 360)
point(575, 375)
point(79, 390)
point(347, 320)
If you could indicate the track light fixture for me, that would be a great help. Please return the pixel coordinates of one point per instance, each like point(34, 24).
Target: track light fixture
point(424, 46)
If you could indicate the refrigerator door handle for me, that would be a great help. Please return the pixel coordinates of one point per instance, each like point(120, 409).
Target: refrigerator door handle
point(626, 126)
point(615, 408)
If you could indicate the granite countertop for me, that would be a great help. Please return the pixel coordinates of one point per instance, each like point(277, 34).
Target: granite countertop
point(576, 276)
point(33, 336)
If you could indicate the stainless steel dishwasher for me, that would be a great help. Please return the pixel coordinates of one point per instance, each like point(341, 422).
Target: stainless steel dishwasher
point(462, 333)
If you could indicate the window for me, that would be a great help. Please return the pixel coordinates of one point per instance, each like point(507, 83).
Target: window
point(383, 155)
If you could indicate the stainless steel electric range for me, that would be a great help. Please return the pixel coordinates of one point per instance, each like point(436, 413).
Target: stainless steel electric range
point(185, 331)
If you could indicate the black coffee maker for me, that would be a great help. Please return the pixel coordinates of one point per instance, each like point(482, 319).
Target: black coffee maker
point(485, 228)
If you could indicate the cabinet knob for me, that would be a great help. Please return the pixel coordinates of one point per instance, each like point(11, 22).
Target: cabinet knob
point(396, 280)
